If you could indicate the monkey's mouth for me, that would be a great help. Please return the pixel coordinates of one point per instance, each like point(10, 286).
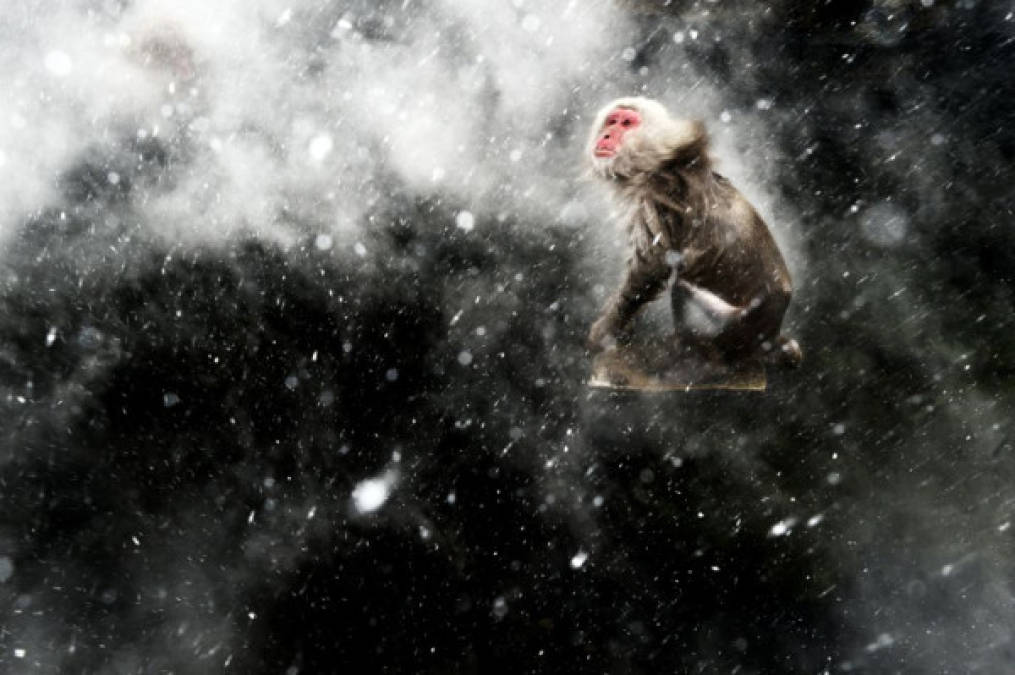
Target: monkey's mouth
point(604, 152)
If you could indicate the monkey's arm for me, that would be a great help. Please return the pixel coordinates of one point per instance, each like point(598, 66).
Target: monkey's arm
point(646, 277)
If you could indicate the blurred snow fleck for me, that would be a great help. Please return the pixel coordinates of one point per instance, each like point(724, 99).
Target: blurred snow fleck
point(6, 569)
point(500, 608)
point(464, 357)
point(285, 17)
point(391, 375)
point(947, 570)
point(834, 478)
point(884, 224)
point(321, 146)
point(783, 527)
point(815, 520)
point(19, 653)
point(678, 37)
point(763, 104)
point(579, 559)
point(883, 640)
point(291, 382)
point(693, 33)
point(51, 336)
point(370, 494)
point(629, 54)
point(343, 25)
point(360, 249)
point(1004, 527)
point(838, 428)
point(597, 501)
point(323, 242)
point(465, 221)
point(58, 63)
point(515, 156)
point(311, 513)
point(725, 116)
point(531, 23)
point(169, 399)
point(937, 139)
point(451, 498)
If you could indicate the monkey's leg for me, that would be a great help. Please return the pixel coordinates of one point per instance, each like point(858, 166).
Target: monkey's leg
point(702, 317)
point(645, 280)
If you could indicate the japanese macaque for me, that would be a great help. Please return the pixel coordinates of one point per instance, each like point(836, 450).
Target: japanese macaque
point(684, 220)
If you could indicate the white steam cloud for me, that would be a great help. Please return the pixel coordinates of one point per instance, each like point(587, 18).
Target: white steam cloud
point(289, 113)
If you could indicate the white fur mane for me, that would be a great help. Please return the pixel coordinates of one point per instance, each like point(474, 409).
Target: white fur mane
point(658, 139)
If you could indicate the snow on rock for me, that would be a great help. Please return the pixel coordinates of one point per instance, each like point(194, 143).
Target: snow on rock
point(885, 224)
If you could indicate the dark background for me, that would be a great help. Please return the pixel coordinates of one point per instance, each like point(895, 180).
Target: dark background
point(183, 427)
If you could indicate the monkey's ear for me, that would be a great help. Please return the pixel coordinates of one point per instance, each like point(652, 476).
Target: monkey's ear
point(686, 139)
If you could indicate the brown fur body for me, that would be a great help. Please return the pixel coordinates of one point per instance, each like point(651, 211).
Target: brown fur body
point(682, 216)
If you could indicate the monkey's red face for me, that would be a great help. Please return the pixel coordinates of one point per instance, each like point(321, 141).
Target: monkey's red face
point(616, 125)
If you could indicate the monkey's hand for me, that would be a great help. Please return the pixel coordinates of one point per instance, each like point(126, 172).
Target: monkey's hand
point(605, 332)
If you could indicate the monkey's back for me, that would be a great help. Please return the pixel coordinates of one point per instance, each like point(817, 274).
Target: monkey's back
point(725, 245)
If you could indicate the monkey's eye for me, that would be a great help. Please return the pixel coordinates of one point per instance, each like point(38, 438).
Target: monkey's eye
point(626, 123)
